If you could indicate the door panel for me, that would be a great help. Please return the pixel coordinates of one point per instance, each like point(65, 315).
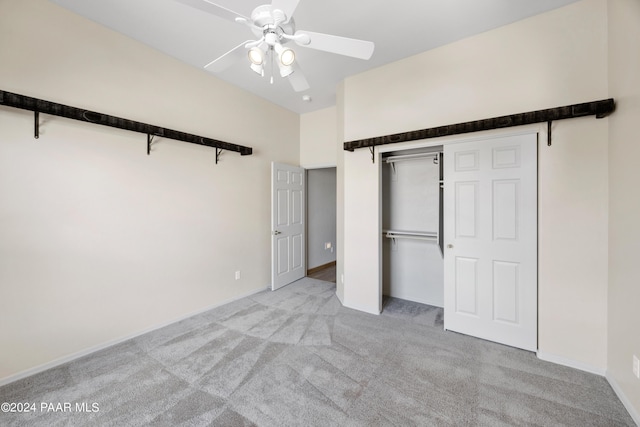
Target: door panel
point(466, 209)
point(467, 160)
point(505, 292)
point(467, 286)
point(288, 224)
point(506, 157)
point(490, 232)
point(506, 200)
point(296, 262)
point(296, 199)
point(283, 208)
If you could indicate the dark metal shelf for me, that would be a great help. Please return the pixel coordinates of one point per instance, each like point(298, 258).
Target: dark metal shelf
point(600, 109)
point(41, 106)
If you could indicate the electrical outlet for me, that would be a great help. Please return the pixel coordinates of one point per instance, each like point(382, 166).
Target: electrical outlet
point(636, 366)
point(237, 275)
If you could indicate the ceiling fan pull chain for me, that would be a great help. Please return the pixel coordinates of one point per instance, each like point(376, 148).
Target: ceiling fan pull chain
point(271, 60)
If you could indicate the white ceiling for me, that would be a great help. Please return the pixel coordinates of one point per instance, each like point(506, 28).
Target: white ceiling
point(399, 28)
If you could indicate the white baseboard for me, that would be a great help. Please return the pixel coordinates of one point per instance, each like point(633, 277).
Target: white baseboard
point(623, 398)
point(597, 371)
point(68, 358)
point(559, 360)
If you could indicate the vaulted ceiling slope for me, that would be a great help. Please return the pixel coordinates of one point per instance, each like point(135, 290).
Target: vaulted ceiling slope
point(399, 29)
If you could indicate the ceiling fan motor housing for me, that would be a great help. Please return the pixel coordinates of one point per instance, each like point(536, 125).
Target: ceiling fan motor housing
point(268, 20)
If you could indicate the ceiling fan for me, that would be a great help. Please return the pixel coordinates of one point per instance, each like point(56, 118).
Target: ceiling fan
point(274, 27)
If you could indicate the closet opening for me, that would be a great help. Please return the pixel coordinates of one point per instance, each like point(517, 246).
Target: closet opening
point(412, 226)
point(471, 250)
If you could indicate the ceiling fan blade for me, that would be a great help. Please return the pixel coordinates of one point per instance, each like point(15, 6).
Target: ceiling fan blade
point(287, 6)
point(297, 79)
point(214, 9)
point(335, 44)
point(228, 59)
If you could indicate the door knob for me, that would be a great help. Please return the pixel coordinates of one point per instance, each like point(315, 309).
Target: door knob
point(449, 246)
point(275, 233)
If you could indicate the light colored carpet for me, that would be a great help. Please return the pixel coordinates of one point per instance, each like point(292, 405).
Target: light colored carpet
point(296, 357)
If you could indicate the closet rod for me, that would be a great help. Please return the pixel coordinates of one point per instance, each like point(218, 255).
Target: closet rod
point(417, 235)
point(429, 239)
point(600, 109)
point(392, 159)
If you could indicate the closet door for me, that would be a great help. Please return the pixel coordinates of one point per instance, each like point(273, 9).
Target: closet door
point(490, 231)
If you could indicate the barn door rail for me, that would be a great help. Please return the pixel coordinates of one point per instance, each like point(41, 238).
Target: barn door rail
point(41, 106)
point(600, 109)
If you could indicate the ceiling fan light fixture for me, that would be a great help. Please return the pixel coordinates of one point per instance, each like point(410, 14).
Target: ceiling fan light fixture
point(258, 68)
point(287, 57)
point(256, 56)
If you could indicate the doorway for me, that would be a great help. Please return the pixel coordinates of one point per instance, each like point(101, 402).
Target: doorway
point(321, 223)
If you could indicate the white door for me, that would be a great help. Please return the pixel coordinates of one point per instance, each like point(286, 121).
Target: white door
point(490, 236)
point(288, 259)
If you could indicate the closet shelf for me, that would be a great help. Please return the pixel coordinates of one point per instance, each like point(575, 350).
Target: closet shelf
point(416, 235)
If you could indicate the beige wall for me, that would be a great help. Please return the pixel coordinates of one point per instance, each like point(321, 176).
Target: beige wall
point(318, 134)
point(101, 242)
point(98, 240)
point(340, 192)
point(550, 60)
point(624, 202)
